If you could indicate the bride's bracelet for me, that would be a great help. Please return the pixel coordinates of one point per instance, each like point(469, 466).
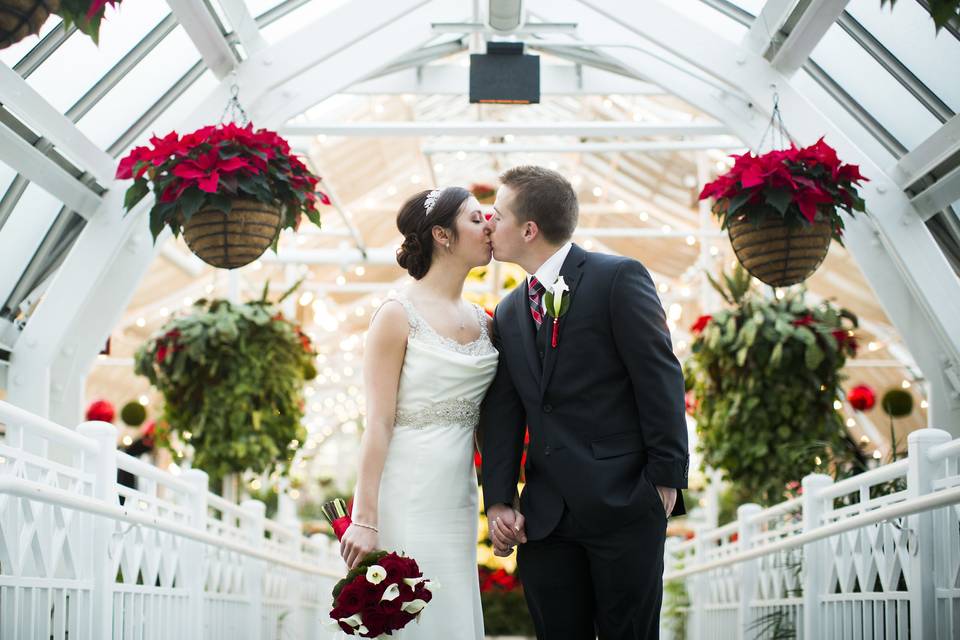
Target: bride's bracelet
point(367, 526)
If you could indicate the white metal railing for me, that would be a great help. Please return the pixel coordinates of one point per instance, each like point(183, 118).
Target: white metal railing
point(172, 561)
point(876, 555)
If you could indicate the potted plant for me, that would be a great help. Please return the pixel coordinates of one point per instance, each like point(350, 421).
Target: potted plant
point(228, 188)
point(232, 376)
point(781, 209)
point(22, 18)
point(765, 375)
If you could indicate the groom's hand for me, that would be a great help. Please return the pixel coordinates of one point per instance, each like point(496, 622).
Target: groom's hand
point(506, 528)
point(668, 495)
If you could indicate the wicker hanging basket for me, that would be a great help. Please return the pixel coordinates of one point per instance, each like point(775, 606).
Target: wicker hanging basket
point(22, 18)
point(778, 254)
point(228, 241)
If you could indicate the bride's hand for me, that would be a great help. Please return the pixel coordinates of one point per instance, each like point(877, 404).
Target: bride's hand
point(356, 543)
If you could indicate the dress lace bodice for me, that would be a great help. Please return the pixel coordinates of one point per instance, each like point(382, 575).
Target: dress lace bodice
point(442, 381)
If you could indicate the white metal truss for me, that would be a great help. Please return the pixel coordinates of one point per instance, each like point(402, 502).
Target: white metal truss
point(936, 159)
point(808, 22)
point(244, 25)
point(206, 35)
point(30, 107)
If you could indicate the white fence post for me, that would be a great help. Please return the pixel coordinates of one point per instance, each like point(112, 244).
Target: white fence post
point(104, 489)
point(748, 571)
point(255, 512)
point(194, 568)
point(922, 533)
point(697, 587)
point(815, 555)
point(295, 590)
point(104, 469)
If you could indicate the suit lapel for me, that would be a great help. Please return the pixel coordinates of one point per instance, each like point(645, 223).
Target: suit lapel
point(572, 271)
point(527, 334)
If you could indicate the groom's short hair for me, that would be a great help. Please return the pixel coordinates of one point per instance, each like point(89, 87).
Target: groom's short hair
point(545, 197)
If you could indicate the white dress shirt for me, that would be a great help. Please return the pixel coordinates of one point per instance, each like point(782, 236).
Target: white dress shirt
point(549, 271)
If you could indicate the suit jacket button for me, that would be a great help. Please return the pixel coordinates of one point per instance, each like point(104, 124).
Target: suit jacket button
point(546, 450)
point(547, 408)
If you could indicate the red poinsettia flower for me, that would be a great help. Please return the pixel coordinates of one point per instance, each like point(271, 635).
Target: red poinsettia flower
point(701, 323)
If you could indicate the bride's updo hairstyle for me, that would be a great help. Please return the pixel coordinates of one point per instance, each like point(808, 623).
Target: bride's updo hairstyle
point(416, 220)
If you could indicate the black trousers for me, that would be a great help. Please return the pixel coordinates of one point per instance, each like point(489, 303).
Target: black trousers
point(584, 586)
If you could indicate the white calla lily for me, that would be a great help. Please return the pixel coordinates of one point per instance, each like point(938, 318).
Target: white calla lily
point(414, 606)
point(354, 620)
point(392, 593)
point(376, 574)
point(559, 288)
point(412, 582)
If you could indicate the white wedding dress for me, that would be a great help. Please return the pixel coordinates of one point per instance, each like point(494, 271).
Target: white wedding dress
point(428, 506)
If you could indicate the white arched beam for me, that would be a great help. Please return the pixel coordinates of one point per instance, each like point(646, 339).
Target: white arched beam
point(810, 21)
point(898, 256)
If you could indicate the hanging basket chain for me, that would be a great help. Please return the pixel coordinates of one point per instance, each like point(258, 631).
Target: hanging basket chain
point(234, 111)
point(779, 136)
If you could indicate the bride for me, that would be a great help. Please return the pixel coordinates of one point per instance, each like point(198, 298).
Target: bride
point(427, 364)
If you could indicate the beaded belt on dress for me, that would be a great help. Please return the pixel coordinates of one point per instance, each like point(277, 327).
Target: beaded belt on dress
point(465, 413)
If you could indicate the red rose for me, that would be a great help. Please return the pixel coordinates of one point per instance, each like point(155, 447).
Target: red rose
point(353, 595)
point(805, 321)
point(400, 619)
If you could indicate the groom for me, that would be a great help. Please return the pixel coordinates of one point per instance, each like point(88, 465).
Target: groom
point(601, 392)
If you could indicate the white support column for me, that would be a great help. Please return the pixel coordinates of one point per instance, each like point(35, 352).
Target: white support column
point(816, 557)
point(255, 512)
point(921, 474)
point(103, 466)
point(194, 567)
point(748, 569)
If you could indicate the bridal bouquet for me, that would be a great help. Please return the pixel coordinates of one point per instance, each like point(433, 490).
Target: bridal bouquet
point(382, 594)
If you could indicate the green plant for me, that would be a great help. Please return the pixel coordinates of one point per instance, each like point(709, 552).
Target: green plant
point(676, 606)
point(232, 377)
point(897, 403)
point(943, 12)
point(506, 613)
point(86, 14)
point(133, 414)
point(764, 375)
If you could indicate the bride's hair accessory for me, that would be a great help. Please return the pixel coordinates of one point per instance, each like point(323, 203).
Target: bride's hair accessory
point(431, 200)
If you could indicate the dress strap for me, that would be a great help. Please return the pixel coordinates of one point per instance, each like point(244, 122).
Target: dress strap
point(482, 318)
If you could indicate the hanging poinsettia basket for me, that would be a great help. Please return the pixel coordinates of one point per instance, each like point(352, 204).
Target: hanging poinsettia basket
point(22, 18)
point(781, 209)
point(228, 189)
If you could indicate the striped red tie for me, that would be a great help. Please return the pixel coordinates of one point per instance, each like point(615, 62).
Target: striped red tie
point(536, 292)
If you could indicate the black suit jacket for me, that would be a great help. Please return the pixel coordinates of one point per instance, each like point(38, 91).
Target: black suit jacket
point(605, 408)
